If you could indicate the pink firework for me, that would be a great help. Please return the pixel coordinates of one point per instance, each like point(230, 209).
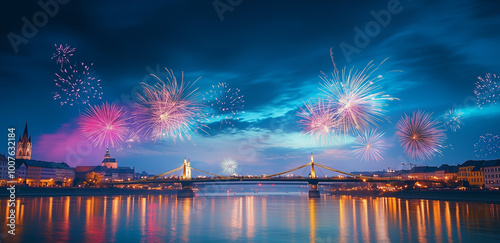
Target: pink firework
point(104, 125)
point(318, 120)
point(168, 110)
point(356, 96)
point(62, 54)
point(420, 135)
point(77, 85)
point(370, 146)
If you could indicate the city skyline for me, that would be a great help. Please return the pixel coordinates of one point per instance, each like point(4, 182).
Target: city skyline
point(275, 61)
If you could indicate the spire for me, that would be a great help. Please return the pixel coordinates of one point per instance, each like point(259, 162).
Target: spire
point(312, 158)
point(24, 145)
point(107, 155)
point(25, 133)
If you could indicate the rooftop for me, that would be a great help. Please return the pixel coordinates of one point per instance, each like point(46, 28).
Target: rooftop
point(42, 164)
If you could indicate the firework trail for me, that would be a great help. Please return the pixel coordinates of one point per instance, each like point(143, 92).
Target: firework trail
point(488, 144)
point(104, 125)
point(229, 166)
point(226, 103)
point(370, 146)
point(356, 96)
point(453, 120)
point(420, 135)
point(62, 54)
point(167, 110)
point(487, 90)
point(77, 85)
point(318, 120)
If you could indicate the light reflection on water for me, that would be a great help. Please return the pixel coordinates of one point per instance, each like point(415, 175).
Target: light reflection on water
point(283, 218)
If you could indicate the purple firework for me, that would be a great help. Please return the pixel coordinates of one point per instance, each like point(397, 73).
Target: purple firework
point(62, 54)
point(168, 110)
point(370, 146)
point(318, 120)
point(420, 135)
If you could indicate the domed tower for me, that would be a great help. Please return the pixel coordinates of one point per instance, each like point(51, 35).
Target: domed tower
point(109, 162)
point(24, 145)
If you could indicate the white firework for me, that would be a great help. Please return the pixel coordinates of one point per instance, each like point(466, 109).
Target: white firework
point(229, 166)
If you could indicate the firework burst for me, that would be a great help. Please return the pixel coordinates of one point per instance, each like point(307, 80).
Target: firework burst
point(167, 110)
point(104, 125)
point(229, 166)
point(487, 90)
point(318, 120)
point(420, 135)
point(370, 146)
point(453, 119)
point(226, 103)
point(488, 144)
point(356, 96)
point(62, 54)
point(77, 85)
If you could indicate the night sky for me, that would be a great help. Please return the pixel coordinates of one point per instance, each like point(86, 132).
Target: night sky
point(273, 51)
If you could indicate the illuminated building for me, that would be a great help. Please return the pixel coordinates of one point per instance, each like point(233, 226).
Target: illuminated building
point(109, 162)
point(24, 145)
point(421, 172)
point(491, 171)
point(445, 172)
point(471, 171)
point(43, 173)
point(108, 170)
point(4, 168)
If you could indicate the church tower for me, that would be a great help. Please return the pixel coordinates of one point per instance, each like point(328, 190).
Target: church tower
point(24, 145)
point(109, 162)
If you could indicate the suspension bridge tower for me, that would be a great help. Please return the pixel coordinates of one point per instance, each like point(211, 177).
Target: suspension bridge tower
point(187, 185)
point(314, 191)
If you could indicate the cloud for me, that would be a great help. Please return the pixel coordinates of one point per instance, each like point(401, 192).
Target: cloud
point(485, 112)
point(66, 145)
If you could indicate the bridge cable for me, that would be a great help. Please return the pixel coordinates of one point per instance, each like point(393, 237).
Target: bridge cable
point(357, 176)
point(341, 172)
point(288, 171)
point(210, 173)
point(165, 173)
point(321, 171)
point(302, 173)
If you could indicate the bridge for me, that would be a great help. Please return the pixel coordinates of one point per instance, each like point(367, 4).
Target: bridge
point(186, 180)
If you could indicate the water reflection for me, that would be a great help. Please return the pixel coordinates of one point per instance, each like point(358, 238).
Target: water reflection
point(250, 219)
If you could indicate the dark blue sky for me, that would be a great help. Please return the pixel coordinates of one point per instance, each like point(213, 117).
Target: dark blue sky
point(273, 51)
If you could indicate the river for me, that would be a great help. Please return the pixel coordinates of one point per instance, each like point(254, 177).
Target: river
point(249, 217)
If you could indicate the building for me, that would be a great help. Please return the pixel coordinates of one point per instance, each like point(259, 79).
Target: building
point(108, 170)
point(45, 174)
point(4, 170)
point(421, 172)
point(471, 172)
point(143, 175)
point(109, 162)
point(446, 172)
point(491, 171)
point(24, 145)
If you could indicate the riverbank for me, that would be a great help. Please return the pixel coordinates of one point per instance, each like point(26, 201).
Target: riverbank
point(448, 195)
point(57, 191)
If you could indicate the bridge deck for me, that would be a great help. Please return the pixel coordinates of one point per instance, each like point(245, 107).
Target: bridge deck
point(257, 180)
